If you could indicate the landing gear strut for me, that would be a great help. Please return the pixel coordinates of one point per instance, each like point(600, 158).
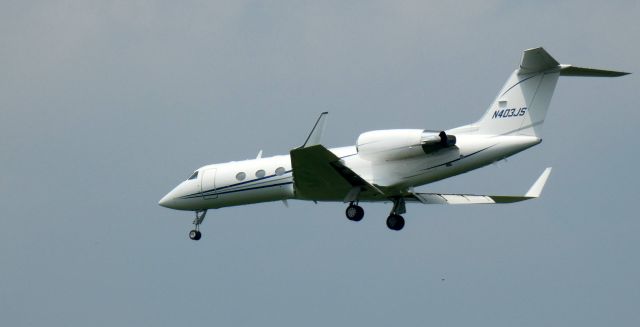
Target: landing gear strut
point(195, 233)
point(354, 212)
point(395, 221)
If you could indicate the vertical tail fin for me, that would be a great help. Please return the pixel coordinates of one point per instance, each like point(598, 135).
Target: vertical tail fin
point(521, 106)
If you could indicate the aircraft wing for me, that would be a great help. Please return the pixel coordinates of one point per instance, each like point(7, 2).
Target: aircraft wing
point(318, 174)
point(440, 198)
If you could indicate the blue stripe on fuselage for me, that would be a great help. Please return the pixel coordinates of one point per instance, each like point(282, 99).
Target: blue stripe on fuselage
point(217, 190)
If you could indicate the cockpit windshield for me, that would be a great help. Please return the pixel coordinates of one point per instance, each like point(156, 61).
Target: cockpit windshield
point(194, 176)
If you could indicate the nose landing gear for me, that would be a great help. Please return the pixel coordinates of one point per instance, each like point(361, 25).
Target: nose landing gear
point(195, 234)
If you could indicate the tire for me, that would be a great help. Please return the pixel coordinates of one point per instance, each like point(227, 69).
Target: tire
point(395, 222)
point(354, 212)
point(195, 235)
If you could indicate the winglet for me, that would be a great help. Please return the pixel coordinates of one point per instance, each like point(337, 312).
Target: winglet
point(537, 187)
point(316, 132)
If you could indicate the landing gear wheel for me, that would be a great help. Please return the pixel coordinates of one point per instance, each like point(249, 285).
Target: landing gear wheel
point(354, 212)
point(195, 235)
point(395, 222)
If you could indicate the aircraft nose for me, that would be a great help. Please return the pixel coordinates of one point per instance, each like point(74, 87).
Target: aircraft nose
point(167, 200)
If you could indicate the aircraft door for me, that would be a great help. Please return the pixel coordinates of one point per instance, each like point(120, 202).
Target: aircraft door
point(208, 184)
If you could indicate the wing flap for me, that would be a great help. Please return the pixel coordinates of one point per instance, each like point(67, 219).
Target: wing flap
point(440, 198)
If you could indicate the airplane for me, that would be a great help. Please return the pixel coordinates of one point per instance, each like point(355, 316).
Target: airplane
point(387, 165)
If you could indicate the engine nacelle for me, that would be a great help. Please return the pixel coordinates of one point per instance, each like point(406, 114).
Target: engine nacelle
point(433, 142)
point(396, 144)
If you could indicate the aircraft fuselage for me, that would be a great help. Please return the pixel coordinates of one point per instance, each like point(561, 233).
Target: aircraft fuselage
point(271, 179)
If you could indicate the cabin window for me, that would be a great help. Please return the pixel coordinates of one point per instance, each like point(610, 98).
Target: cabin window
point(194, 176)
point(241, 176)
point(280, 171)
point(260, 173)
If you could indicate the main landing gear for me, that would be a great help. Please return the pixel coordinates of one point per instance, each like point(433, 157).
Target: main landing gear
point(395, 221)
point(354, 212)
point(195, 234)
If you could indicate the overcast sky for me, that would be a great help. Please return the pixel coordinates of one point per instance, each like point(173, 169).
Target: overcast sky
point(107, 105)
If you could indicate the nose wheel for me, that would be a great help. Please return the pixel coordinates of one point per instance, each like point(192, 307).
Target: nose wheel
point(195, 234)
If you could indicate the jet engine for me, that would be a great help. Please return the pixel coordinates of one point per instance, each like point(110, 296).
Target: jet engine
point(433, 142)
point(397, 144)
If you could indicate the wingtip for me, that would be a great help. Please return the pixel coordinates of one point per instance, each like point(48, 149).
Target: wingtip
point(316, 132)
point(619, 74)
point(536, 188)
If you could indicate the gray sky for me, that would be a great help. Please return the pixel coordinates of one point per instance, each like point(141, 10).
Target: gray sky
point(106, 105)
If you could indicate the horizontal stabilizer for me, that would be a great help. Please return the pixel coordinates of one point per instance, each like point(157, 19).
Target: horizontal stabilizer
point(440, 198)
point(568, 70)
point(539, 60)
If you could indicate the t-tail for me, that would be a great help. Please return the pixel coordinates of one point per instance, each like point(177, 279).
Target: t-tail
point(521, 106)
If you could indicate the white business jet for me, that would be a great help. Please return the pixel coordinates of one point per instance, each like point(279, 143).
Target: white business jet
point(386, 165)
